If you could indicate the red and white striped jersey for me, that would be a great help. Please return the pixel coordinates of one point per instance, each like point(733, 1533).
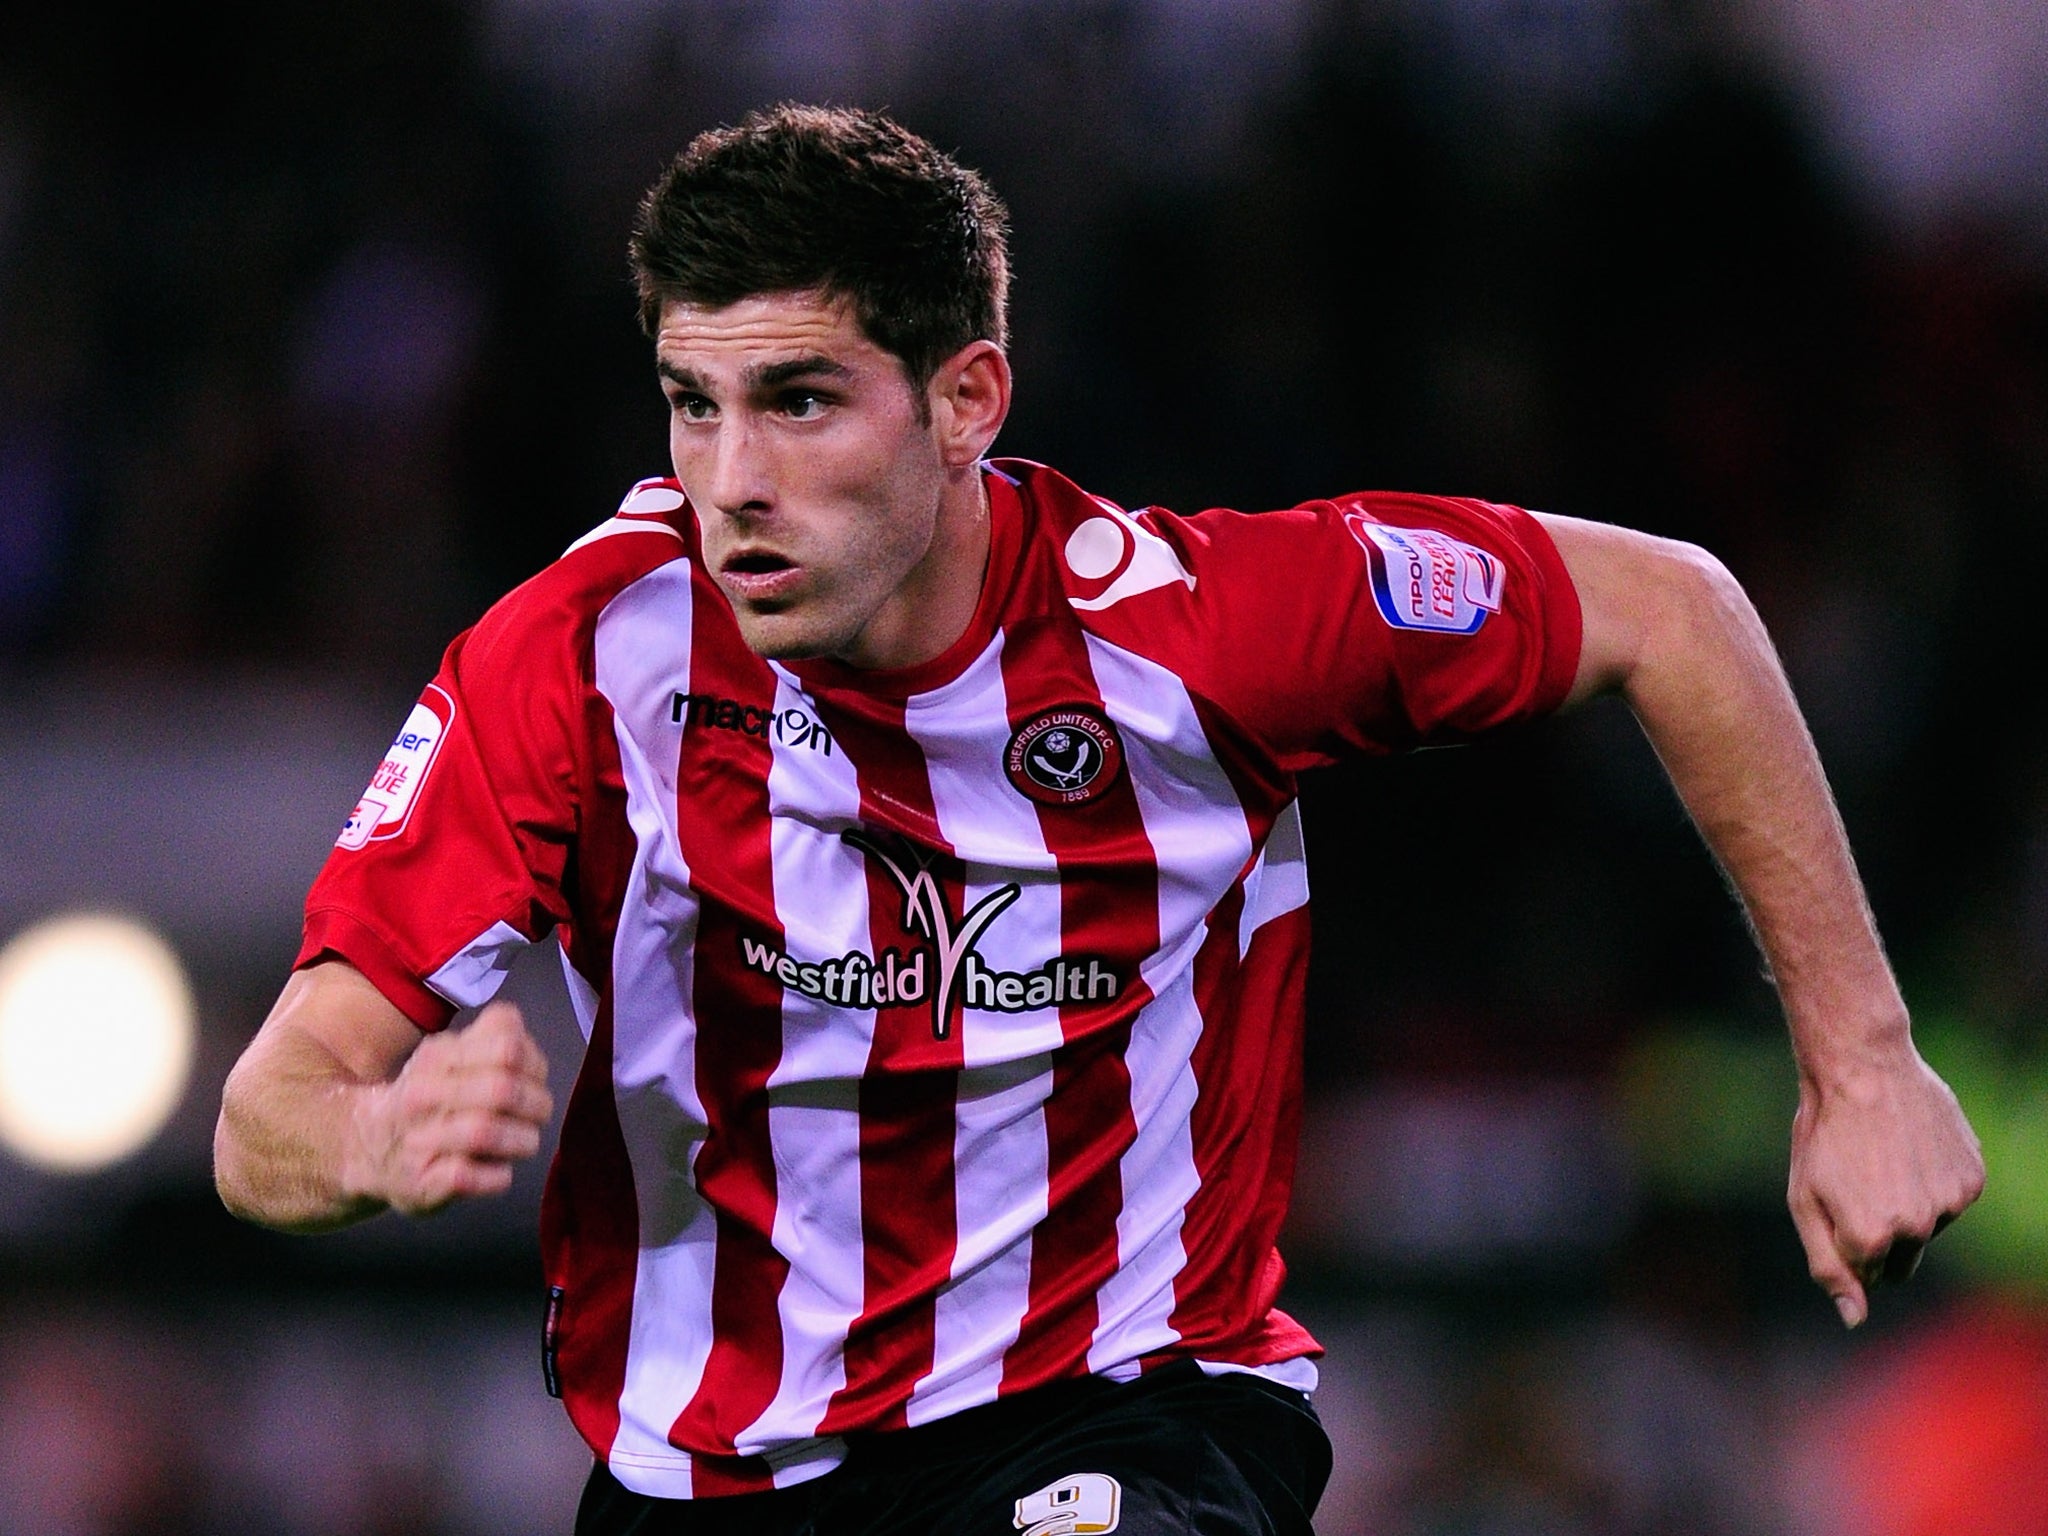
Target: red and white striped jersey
point(944, 1025)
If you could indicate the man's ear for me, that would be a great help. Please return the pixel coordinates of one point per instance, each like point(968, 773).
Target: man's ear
point(969, 396)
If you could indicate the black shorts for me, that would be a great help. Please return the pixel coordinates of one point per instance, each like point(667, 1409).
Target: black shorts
point(1173, 1452)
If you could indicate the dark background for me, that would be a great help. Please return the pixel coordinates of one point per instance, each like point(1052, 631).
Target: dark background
point(316, 334)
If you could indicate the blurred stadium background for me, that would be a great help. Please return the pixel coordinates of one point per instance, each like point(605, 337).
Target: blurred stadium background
point(315, 335)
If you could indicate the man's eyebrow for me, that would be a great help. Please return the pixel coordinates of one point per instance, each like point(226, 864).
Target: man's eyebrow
point(766, 376)
point(812, 365)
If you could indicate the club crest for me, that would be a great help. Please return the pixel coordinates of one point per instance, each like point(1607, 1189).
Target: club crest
point(1069, 755)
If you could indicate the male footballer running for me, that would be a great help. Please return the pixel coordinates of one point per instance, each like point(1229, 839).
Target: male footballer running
point(919, 831)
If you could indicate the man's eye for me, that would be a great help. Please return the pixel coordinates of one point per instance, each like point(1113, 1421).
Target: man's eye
point(803, 406)
point(691, 407)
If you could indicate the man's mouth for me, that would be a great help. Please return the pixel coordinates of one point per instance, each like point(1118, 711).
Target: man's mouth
point(758, 575)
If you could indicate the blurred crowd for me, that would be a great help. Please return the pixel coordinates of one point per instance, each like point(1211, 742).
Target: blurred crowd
point(316, 334)
point(393, 1415)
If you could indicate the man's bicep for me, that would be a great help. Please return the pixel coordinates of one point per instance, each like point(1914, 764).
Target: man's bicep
point(1629, 583)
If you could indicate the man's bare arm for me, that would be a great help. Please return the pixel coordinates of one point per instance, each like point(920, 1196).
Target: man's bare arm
point(340, 1107)
point(1881, 1153)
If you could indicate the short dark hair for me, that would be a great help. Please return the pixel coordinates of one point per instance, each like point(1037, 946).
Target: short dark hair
point(797, 197)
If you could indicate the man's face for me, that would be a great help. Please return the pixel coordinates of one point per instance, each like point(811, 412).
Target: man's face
point(816, 479)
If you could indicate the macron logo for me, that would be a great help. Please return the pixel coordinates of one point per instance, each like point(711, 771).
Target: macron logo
point(1123, 555)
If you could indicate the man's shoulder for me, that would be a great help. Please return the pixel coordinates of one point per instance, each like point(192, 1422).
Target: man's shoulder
point(655, 506)
point(1102, 551)
point(555, 611)
point(1059, 505)
point(650, 529)
point(1109, 551)
point(1151, 576)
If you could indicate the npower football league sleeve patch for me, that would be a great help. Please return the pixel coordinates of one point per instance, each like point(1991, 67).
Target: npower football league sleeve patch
point(1423, 579)
point(387, 804)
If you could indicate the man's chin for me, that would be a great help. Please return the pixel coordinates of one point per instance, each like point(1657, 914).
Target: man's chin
point(782, 636)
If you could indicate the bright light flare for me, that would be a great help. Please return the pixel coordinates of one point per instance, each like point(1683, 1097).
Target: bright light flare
point(96, 1040)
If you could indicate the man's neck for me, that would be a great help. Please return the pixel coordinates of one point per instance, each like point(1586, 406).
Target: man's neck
point(937, 601)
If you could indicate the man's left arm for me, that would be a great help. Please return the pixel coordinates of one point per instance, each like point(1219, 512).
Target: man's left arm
point(1882, 1155)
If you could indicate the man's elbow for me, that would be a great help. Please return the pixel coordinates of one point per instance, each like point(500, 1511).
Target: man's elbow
point(261, 1172)
point(1692, 606)
point(1703, 582)
point(232, 1157)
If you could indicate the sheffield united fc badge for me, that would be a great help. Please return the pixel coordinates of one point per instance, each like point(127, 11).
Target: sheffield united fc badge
point(1067, 755)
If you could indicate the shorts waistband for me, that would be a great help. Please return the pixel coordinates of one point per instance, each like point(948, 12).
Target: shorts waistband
point(975, 1430)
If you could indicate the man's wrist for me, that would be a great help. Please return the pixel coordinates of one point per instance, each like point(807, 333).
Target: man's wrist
point(359, 1171)
point(1842, 1060)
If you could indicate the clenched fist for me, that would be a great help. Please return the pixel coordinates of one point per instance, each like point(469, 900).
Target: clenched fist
point(1881, 1161)
point(467, 1106)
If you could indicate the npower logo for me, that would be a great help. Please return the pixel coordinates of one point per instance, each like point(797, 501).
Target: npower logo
point(944, 968)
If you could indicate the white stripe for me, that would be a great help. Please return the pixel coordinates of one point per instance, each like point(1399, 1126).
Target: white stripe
point(999, 1179)
point(1279, 882)
point(800, 1461)
point(1135, 1304)
point(582, 996)
point(963, 730)
point(814, 1092)
point(1201, 844)
point(1299, 1373)
point(642, 662)
point(999, 1150)
point(612, 527)
point(471, 976)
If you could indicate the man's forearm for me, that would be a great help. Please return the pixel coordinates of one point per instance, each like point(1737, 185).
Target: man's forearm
point(341, 1107)
point(284, 1149)
point(1714, 701)
point(1882, 1155)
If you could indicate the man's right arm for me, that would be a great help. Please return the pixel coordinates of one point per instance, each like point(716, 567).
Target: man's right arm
point(340, 1107)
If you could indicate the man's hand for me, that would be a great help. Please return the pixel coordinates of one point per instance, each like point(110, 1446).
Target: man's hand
point(340, 1107)
point(467, 1106)
point(1881, 1161)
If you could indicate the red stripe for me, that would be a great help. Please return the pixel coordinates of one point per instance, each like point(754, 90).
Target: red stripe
point(1267, 1082)
point(1109, 908)
point(1246, 1119)
point(1244, 1128)
point(723, 821)
point(589, 1219)
point(590, 1243)
point(908, 1093)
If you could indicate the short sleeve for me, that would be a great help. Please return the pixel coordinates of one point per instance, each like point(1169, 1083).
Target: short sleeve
point(455, 857)
point(1378, 622)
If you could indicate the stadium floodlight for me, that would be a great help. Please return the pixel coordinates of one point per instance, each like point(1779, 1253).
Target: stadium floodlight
point(97, 1037)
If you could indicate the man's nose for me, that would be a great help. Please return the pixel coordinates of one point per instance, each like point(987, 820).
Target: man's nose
point(739, 481)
